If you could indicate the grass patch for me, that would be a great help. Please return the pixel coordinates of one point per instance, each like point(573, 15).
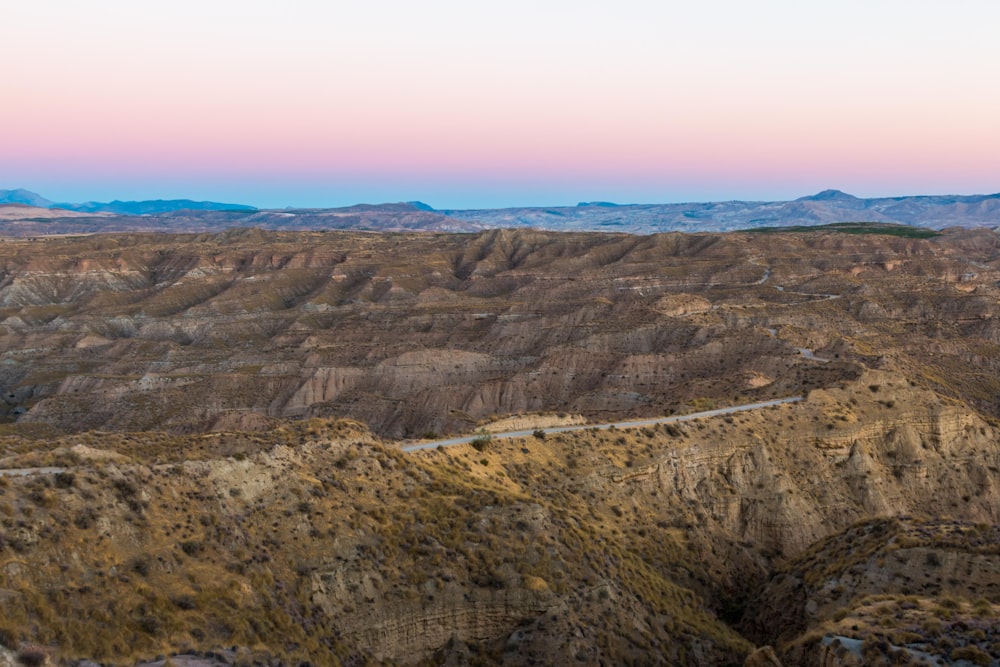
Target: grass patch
point(885, 229)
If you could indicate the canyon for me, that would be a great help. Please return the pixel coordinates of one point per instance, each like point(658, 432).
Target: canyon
point(224, 417)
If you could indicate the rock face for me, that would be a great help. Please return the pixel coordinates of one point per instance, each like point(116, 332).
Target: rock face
point(438, 333)
point(400, 631)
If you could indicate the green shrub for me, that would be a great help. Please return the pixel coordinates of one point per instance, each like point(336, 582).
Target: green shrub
point(65, 480)
point(140, 565)
point(191, 547)
point(149, 624)
point(973, 654)
point(481, 441)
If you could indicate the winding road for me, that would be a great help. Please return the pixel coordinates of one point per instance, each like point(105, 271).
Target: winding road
point(628, 424)
point(639, 423)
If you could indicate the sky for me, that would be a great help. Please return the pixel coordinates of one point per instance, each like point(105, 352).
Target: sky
point(471, 104)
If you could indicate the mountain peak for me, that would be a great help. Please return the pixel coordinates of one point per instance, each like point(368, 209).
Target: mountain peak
point(22, 196)
point(829, 195)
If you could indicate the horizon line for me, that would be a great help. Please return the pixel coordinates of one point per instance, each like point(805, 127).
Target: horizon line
point(443, 209)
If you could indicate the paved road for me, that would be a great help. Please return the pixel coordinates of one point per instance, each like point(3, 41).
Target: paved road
point(523, 434)
point(630, 424)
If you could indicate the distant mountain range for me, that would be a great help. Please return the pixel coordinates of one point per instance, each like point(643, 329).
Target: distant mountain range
point(185, 215)
point(826, 207)
point(146, 207)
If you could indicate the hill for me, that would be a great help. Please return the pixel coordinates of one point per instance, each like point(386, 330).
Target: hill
point(315, 541)
point(202, 448)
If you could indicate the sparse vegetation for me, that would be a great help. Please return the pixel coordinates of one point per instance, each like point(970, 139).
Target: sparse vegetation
point(481, 441)
point(187, 512)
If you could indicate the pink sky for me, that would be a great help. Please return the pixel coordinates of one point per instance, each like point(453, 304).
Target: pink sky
point(315, 104)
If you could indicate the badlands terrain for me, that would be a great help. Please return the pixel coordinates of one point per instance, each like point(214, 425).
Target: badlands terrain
point(220, 419)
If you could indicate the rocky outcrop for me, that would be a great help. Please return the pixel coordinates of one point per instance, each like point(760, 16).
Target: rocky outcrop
point(446, 612)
